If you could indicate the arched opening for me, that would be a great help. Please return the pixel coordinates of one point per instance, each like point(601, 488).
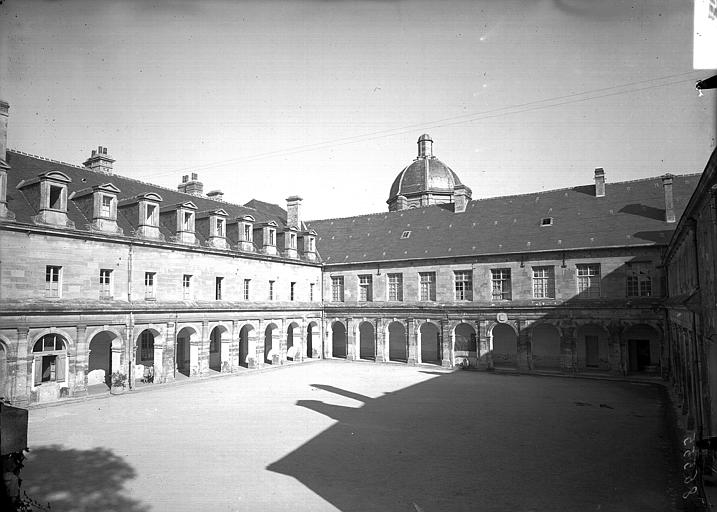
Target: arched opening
point(49, 355)
point(505, 346)
point(4, 391)
point(100, 361)
point(397, 350)
point(643, 349)
point(367, 341)
point(271, 345)
point(187, 353)
point(338, 340)
point(545, 344)
point(464, 344)
point(292, 351)
point(244, 353)
point(312, 336)
point(592, 348)
point(216, 360)
point(144, 357)
point(430, 344)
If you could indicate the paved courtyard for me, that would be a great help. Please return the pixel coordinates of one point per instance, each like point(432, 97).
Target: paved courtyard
point(332, 435)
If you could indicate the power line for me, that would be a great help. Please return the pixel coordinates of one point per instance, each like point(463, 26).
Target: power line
point(450, 121)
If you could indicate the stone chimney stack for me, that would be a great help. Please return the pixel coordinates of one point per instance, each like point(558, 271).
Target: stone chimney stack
point(217, 195)
point(292, 211)
point(4, 114)
point(100, 161)
point(461, 198)
point(425, 146)
point(669, 203)
point(599, 182)
point(193, 186)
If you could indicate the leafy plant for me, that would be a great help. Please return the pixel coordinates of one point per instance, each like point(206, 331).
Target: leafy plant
point(119, 379)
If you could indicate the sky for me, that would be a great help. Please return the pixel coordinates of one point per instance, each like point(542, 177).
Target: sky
point(326, 99)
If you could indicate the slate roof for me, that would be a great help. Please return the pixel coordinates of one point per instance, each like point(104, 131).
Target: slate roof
point(630, 214)
point(26, 167)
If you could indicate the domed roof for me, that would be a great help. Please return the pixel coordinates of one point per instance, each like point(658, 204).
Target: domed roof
point(425, 174)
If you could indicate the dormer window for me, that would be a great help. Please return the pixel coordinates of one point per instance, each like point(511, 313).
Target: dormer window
point(51, 190)
point(106, 206)
point(272, 236)
point(150, 215)
point(144, 208)
point(292, 240)
point(55, 198)
point(247, 233)
point(179, 219)
point(220, 227)
point(405, 234)
point(188, 221)
point(547, 221)
point(99, 203)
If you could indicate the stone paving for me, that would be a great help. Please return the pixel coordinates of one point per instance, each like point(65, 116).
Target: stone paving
point(333, 435)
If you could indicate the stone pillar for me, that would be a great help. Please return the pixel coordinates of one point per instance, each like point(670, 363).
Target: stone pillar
point(299, 344)
point(380, 340)
point(260, 336)
point(22, 374)
point(226, 362)
point(195, 347)
point(350, 341)
point(614, 349)
point(484, 346)
point(525, 352)
point(446, 345)
point(278, 339)
point(411, 343)
point(79, 370)
point(252, 340)
point(203, 355)
point(116, 354)
point(568, 348)
point(233, 355)
point(165, 360)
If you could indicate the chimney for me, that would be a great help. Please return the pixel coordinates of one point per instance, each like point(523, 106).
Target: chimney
point(193, 186)
point(4, 113)
point(292, 211)
point(599, 182)
point(100, 161)
point(425, 146)
point(217, 195)
point(461, 198)
point(669, 203)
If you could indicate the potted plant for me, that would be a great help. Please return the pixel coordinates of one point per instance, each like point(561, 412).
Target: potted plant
point(119, 381)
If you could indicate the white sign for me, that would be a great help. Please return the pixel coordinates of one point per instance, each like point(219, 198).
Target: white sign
point(705, 43)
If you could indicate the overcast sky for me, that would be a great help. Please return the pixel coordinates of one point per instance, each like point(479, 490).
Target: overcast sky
point(326, 99)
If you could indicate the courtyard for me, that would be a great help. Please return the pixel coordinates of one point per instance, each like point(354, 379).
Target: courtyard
point(333, 435)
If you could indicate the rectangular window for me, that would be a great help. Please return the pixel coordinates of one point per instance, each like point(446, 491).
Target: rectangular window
point(588, 280)
point(220, 227)
point(146, 344)
point(187, 286)
point(365, 288)
point(311, 292)
point(464, 284)
point(543, 282)
point(53, 281)
point(337, 288)
point(149, 218)
point(187, 221)
point(395, 287)
point(218, 288)
point(271, 237)
point(271, 290)
point(292, 290)
point(639, 282)
point(500, 284)
point(292, 241)
point(150, 283)
point(246, 288)
point(427, 281)
point(309, 244)
point(247, 233)
point(55, 197)
point(106, 207)
point(105, 283)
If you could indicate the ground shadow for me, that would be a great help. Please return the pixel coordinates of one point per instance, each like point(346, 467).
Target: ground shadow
point(461, 442)
point(70, 479)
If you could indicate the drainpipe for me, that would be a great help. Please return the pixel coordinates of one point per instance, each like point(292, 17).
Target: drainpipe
point(130, 324)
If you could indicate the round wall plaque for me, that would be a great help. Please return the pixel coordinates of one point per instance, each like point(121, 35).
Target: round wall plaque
point(502, 317)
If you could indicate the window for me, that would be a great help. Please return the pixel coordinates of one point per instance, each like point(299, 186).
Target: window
point(146, 346)
point(337, 288)
point(427, 281)
point(218, 288)
point(543, 283)
point(272, 241)
point(53, 281)
point(55, 197)
point(395, 287)
point(639, 282)
point(106, 206)
point(310, 244)
point(500, 284)
point(464, 284)
point(150, 214)
point(187, 286)
point(311, 292)
point(547, 221)
point(220, 227)
point(247, 233)
point(405, 234)
point(246, 289)
point(292, 241)
point(150, 284)
point(292, 289)
point(49, 359)
point(105, 283)
point(365, 288)
point(589, 280)
point(271, 290)
point(187, 221)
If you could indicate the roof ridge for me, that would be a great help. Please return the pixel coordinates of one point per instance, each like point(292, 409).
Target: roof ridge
point(374, 214)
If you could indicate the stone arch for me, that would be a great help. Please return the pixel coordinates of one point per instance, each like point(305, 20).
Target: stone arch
point(367, 341)
point(293, 341)
point(50, 369)
point(592, 346)
point(465, 345)
point(546, 345)
point(313, 336)
point(219, 338)
point(339, 339)
point(272, 344)
point(643, 343)
point(247, 345)
point(503, 341)
point(397, 345)
point(104, 357)
point(186, 353)
point(429, 342)
point(69, 340)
